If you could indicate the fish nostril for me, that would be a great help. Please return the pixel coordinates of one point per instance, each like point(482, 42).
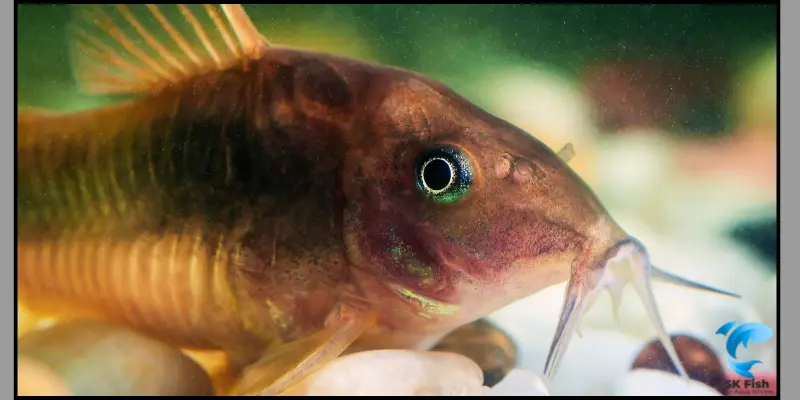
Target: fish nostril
point(526, 172)
point(523, 173)
point(503, 167)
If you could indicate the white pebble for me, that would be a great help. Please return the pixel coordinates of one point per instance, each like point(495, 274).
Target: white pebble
point(396, 373)
point(519, 382)
point(647, 382)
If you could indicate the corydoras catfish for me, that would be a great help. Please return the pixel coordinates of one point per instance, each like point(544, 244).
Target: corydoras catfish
point(287, 206)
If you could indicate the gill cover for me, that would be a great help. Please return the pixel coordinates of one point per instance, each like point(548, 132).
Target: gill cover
point(583, 289)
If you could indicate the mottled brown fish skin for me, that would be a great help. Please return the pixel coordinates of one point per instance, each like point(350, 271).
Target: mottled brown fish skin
point(208, 215)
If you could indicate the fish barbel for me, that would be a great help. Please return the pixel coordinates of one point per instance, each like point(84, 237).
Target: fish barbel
point(287, 206)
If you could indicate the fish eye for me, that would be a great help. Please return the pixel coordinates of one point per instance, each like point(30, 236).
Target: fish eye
point(444, 174)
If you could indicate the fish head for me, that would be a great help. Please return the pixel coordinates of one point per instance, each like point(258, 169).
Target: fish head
point(458, 213)
point(454, 205)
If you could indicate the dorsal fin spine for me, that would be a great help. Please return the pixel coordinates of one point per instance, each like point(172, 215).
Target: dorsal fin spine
point(118, 35)
point(201, 34)
point(174, 34)
point(242, 27)
point(226, 36)
point(151, 40)
point(129, 58)
point(103, 53)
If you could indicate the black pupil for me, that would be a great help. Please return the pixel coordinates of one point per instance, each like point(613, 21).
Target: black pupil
point(437, 174)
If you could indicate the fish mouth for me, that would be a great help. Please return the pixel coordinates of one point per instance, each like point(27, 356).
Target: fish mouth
point(605, 274)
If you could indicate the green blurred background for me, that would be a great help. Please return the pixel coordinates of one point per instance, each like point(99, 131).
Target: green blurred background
point(459, 43)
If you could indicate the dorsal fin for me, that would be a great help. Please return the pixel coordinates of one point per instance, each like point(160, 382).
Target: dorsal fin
point(131, 49)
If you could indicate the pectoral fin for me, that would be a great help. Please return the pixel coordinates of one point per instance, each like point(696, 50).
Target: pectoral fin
point(283, 367)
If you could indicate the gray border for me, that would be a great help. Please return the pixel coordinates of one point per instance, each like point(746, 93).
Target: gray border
point(788, 273)
point(9, 285)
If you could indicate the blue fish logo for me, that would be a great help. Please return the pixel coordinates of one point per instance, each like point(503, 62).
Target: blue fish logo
point(744, 334)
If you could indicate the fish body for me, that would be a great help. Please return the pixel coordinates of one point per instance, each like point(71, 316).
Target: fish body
point(211, 199)
point(255, 200)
